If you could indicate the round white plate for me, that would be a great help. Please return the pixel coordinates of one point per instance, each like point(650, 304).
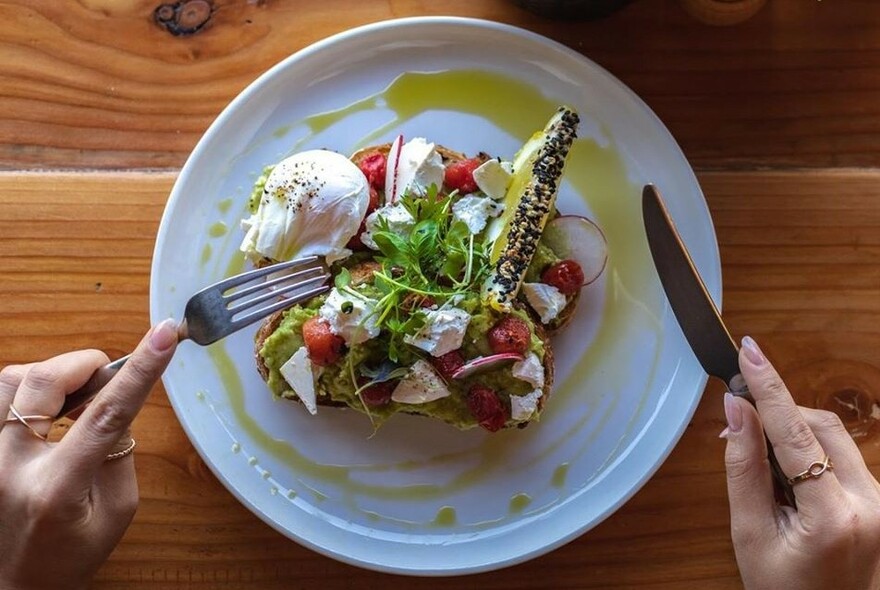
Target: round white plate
point(419, 497)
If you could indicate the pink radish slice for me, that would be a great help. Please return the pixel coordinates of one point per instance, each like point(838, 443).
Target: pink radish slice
point(486, 363)
point(392, 171)
point(572, 237)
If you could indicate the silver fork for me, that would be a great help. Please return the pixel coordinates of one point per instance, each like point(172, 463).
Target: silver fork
point(211, 314)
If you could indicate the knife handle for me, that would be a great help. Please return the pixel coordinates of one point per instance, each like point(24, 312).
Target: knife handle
point(738, 387)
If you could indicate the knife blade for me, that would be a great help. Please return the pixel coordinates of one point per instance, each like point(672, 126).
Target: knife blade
point(687, 293)
point(695, 310)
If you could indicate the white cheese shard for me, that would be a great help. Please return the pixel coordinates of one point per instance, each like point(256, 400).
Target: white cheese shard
point(475, 211)
point(421, 385)
point(298, 373)
point(312, 204)
point(443, 331)
point(493, 178)
point(546, 300)
point(396, 216)
point(529, 370)
point(418, 166)
point(350, 316)
point(523, 407)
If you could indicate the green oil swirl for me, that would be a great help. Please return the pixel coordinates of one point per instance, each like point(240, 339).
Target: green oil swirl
point(519, 502)
point(218, 230)
point(446, 517)
point(598, 175)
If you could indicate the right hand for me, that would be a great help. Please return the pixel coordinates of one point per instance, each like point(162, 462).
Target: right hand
point(832, 538)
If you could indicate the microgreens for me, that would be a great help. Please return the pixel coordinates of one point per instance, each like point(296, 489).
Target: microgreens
point(435, 257)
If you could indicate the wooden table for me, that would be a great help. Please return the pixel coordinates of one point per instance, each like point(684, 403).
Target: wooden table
point(780, 116)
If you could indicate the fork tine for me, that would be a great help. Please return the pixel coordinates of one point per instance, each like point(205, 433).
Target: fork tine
point(270, 309)
point(271, 283)
point(260, 272)
point(248, 303)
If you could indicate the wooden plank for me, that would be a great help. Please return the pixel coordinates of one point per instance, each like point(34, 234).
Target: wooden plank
point(97, 84)
point(74, 272)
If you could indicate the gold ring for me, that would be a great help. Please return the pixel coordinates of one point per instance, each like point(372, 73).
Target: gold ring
point(123, 453)
point(18, 417)
point(815, 469)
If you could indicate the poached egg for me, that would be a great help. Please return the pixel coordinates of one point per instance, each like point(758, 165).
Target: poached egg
point(312, 204)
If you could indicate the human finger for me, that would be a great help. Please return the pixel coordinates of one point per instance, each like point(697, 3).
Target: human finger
point(93, 435)
point(10, 379)
point(116, 485)
point(749, 485)
point(43, 387)
point(849, 465)
point(795, 445)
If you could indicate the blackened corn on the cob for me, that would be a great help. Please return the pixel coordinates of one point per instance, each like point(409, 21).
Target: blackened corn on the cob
point(536, 203)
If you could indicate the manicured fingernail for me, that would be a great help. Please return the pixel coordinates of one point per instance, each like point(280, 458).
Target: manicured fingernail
point(164, 335)
point(753, 353)
point(733, 413)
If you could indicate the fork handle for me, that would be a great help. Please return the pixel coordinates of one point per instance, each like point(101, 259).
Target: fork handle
point(87, 392)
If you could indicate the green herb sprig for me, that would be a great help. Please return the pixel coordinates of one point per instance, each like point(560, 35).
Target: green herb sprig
point(437, 257)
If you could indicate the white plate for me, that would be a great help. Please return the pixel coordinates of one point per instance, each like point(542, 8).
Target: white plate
point(420, 497)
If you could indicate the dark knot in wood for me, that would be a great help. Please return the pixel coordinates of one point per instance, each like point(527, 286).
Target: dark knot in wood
point(185, 17)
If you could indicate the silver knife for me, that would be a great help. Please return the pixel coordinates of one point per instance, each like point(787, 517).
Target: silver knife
point(695, 311)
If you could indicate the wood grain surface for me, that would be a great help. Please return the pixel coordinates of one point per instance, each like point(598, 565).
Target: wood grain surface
point(801, 261)
point(98, 84)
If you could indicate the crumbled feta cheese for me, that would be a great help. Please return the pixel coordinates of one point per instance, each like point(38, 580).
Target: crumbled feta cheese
point(443, 331)
point(529, 370)
point(357, 323)
point(298, 373)
point(493, 178)
point(475, 211)
point(417, 168)
point(421, 385)
point(522, 407)
point(398, 218)
point(545, 299)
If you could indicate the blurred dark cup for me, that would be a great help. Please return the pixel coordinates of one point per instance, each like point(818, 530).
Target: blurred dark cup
point(572, 9)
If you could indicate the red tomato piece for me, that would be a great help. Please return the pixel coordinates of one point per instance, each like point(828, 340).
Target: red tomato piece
point(324, 346)
point(374, 201)
point(378, 394)
point(374, 166)
point(565, 275)
point(460, 176)
point(486, 407)
point(510, 334)
point(355, 243)
point(448, 363)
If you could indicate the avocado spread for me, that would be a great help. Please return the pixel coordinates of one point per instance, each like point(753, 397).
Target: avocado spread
point(334, 382)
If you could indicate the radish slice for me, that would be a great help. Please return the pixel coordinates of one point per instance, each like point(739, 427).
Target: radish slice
point(486, 363)
point(392, 171)
point(572, 237)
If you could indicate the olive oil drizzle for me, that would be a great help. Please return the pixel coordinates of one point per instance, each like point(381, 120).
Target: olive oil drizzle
point(598, 174)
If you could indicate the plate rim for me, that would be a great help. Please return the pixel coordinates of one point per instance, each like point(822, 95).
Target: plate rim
point(255, 87)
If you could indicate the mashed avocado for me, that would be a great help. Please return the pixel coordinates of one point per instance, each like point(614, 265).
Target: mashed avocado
point(335, 382)
point(543, 258)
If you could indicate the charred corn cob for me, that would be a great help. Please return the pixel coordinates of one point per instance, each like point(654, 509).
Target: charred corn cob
point(530, 199)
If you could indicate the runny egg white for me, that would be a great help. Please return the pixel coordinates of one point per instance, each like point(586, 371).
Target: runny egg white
point(312, 204)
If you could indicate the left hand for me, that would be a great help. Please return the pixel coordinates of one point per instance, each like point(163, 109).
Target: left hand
point(65, 506)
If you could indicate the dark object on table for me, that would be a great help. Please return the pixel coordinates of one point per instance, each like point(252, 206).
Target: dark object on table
point(577, 9)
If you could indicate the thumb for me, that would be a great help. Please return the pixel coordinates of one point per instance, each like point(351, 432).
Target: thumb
point(749, 485)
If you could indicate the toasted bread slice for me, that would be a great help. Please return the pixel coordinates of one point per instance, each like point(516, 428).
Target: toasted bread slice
point(363, 272)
